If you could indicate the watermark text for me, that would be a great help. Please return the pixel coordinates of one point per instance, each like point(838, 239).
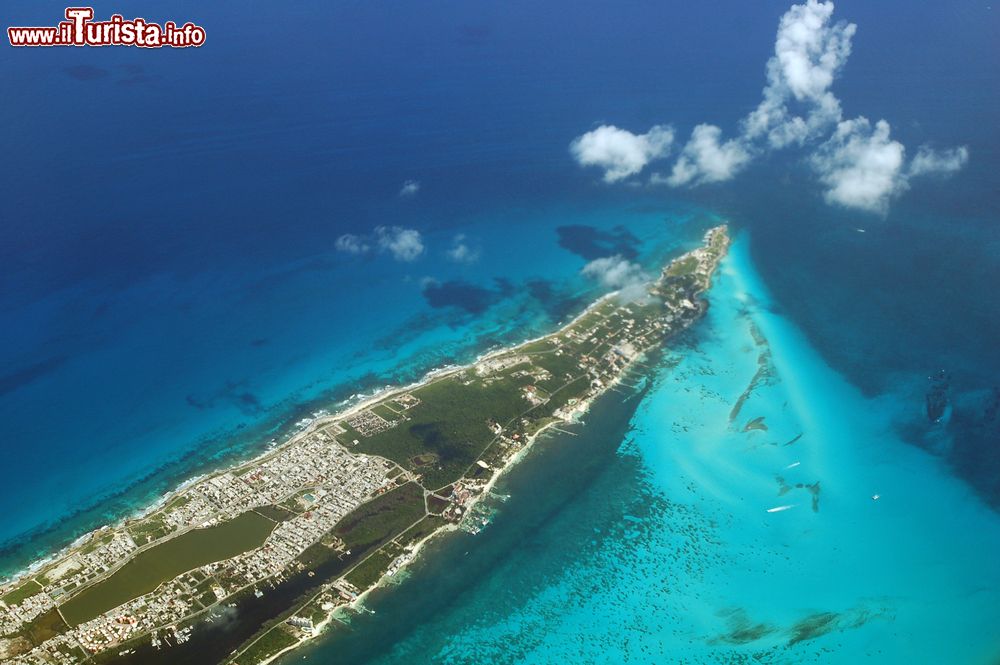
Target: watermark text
point(80, 29)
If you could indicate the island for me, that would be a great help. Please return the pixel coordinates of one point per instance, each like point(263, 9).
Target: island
point(242, 565)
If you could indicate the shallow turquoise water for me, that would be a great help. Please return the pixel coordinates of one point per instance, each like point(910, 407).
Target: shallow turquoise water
point(256, 352)
point(647, 538)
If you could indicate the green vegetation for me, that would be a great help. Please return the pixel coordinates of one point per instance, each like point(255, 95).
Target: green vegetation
point(96, 541)
point(436, 504)
point(21, 593)
point(314, 610)
point(683, 267)
point(317, 554)
point(370, 571)
point(267, 645)
point(385, 412)
point(165, 561)
point(422, 529)
point(562, 396)
point(375, 523)
point(44, 627)
point(149, 530)
point(451, 422)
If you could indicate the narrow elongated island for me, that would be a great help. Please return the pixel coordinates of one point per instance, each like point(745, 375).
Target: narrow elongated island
point(246, 563)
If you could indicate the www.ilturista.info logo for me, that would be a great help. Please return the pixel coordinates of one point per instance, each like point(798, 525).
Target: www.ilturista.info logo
point(79, 29)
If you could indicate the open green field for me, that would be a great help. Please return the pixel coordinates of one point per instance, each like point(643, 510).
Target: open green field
point(267, 645)
point(164, 562)
point(451, 422)
point(44, 627)
point(23, 592)
point(371, 570)
point(373, 524)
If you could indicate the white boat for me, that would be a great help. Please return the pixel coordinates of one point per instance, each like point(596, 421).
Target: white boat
point(778, 509)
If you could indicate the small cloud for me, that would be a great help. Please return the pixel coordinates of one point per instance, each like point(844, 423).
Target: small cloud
point(617, 272)
point(938, 162)
point(620, 152)
point(352, 244)
point(462, 252)
point(705, 160)
point(403, 244)
point(861, 167)
point(409, 188)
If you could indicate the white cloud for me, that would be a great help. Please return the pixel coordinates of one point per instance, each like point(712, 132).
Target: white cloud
point(409, 188)
point(704, 159)
point(461, 251)
point(352, 244)
point(938, 162)
point(617, 272)
point(809, 53)
point(861, 167)
point(403, 244)
point(620, 152)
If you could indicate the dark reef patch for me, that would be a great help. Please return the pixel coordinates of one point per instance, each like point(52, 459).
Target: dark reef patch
point(975, 430)
point(86, 72)
point(474, 34)
point(813, 489)
point(813, 626)
point(411, 329)
point(25, 375)
point(793, 440)
point(233, 393)
point(466, 296)
point(741, 630)
point(591, 243)
point(558, 304)
point(135, 75)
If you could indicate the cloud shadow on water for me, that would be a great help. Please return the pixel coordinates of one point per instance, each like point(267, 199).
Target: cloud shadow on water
point(591, 243)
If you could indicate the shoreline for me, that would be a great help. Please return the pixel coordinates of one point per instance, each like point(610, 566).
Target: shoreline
point(706, 264)
point(346, 409)
point(579, 409)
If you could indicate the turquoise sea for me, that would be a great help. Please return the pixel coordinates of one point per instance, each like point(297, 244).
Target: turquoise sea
point(647, 537)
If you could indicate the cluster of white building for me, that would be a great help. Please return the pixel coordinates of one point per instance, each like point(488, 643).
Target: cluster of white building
point(12, 618)
point(364, 476)
point(333, 481)
point(499, 363)
point(368, 423)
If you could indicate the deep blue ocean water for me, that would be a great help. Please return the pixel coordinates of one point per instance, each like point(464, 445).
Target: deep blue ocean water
point(172, 296)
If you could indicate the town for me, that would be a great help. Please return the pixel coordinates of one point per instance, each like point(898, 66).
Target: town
point(361, 489)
